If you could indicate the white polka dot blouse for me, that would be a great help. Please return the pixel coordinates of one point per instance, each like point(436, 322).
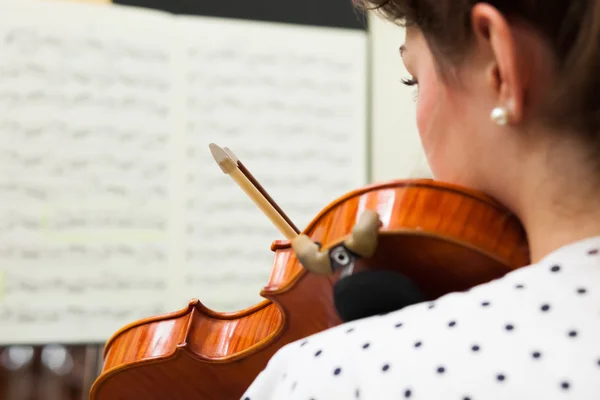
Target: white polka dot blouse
point(532, 334)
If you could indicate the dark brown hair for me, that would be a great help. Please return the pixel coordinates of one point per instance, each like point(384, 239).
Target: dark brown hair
point(571, 27)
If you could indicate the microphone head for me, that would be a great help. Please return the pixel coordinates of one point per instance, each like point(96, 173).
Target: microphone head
point(374, 292)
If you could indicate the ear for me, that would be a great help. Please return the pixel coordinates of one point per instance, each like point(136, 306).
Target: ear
point(506, 78)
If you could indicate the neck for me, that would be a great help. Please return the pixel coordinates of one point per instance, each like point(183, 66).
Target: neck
point(556, 207)
point(548, 232)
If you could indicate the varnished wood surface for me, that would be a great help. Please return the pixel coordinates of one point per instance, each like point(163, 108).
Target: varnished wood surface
point(445, 238)
point(214, 353)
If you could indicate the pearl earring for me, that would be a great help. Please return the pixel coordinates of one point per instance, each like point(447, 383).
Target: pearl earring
point(500, 116)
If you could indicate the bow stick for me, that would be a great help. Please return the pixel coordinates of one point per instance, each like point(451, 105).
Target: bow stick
point(257, 185)
point(361, 242)
point(231, 166)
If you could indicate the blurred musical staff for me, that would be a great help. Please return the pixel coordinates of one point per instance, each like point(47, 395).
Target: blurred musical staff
point(291, 105)
point(110, 191)
point(85, 177)
point(112, 207)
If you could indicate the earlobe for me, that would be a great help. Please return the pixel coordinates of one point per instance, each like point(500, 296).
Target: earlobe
point(500, 115)
point(493, 31)
point(505, 112)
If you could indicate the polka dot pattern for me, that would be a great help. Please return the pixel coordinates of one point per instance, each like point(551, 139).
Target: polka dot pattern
point(534, 331)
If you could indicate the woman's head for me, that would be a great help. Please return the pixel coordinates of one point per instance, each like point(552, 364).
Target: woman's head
point(537, 59)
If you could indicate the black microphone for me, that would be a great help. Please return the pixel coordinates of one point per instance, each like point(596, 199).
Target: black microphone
point(374, 292)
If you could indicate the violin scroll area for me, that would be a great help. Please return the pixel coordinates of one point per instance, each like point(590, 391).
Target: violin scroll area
point(361, 243)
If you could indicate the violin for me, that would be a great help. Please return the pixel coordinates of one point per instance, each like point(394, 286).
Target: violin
point(443, 237)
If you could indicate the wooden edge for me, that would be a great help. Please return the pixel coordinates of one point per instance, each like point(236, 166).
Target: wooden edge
point(401, 232)
point(281, 245)
point(407, 183)
point(194, 304)
point(183, 350)
point(393, 184)
point(257, 347)
point(103, 377)
point(155, 318)
point(234, 314)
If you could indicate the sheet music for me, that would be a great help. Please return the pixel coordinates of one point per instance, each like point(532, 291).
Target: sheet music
point(85, 127)
point(112, 207)
point(289, 101)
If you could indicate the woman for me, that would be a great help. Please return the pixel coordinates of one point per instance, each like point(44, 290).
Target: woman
point(509, 103)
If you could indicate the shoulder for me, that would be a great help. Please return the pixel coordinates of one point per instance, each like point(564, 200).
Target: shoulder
point(533, 331)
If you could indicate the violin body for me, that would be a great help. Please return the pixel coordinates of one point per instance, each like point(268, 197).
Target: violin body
point(443, 237)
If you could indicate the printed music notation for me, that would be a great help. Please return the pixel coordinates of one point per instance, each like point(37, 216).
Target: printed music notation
point(288, 104)
point(307, 109)
point(75, 314)
point(114, 209)
point(105, 184)
point(111, 283)
point(209, 231)
point(228, 279)
point(13, 100)
point(15, 222)
point(87, 323)
point(312, 156)
point(302, 84)
point(57, 254)
point(299, 129)
point(281, 181)
point(242, 206)
point(85, 178)
point(25, 40)
point(60, 76)
point(217, 258)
